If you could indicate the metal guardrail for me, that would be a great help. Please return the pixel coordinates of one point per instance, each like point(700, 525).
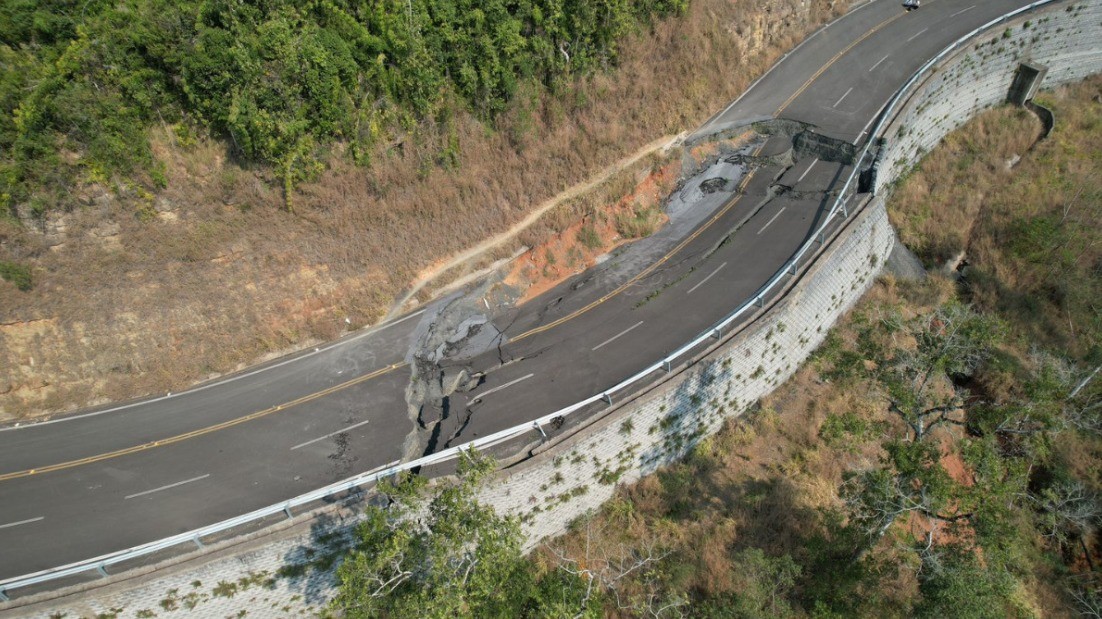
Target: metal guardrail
point(790, 269)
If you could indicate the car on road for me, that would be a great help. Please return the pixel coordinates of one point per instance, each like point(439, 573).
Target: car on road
point(910, 5)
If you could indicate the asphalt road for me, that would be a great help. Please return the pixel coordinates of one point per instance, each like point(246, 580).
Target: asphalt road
point(97, 482)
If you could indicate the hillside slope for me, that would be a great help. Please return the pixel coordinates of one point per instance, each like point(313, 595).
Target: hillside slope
point(134, 288)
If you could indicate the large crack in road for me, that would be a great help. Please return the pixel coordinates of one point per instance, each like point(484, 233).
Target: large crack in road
point(451, 339)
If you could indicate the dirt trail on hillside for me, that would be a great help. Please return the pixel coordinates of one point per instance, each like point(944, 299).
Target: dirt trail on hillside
point(426, 277)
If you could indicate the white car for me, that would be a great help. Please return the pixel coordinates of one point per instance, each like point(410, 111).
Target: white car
point(910, 5)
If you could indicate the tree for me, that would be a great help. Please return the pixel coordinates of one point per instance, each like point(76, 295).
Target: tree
point(762, 589)
point(916, 380)
point(913, 364)
point(1068, 511)
point(281, 81)
point(437, 553)
point(442, 556)
point(628, 576)
point(1084, 403)
point(954, 583)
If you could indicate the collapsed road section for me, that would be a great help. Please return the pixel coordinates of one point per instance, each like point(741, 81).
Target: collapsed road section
point(734, 218)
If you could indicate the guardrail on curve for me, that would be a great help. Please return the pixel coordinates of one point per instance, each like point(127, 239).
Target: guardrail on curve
point(791, 268)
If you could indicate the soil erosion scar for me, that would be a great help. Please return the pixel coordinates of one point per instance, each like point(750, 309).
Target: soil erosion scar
point(730, 204)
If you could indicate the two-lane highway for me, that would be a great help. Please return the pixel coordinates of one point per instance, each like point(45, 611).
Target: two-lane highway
point(89, 484)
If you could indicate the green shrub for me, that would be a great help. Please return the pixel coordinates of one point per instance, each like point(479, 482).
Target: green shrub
point(278, 80)
point(588, 237)
point(17, 274)
point(845, 429)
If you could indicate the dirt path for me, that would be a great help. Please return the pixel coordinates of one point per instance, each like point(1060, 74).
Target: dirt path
point(428, 275)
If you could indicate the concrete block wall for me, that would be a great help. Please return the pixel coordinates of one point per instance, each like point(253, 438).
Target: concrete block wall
point(242, 582)
point(1065, 38)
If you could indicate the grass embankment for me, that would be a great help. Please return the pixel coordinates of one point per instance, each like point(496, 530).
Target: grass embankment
point(140, 287)
point(826, 503)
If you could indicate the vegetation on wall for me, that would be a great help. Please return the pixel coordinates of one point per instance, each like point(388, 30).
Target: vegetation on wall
point(80, 82)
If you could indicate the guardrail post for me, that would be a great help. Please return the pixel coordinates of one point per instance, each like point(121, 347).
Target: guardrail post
point(102, 571)
point(760, 301)
point(792, 269)
point(540, 428)
point(4, 597)
point(667, 366)
point(607, 398)
point(287, 510)
point(197, 542)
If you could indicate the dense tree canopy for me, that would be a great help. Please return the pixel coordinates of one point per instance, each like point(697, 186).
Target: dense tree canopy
point(80, 81)
point(442, 554)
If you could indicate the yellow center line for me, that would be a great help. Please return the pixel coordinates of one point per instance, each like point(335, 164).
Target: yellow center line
point(202, 431)
point(646, 271)
point(833, 60)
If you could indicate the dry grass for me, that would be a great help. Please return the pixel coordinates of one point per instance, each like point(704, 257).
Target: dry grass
point(551, 217)
point(1032, 229)
point(627, 206)
point(936, 209)
point(212, 274)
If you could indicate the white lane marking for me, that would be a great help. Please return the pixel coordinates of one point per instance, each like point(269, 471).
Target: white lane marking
point(618, 335)
point(842, 97)
point(500, 387)
point(322, 438)
point(963, 11)
point(772, 220)
point(27, 521)
point(917, 34)
point(230, 379)
point(701, 282)
point(816, 160)
point(878, 62)
point(179, 483)
point(778, 63)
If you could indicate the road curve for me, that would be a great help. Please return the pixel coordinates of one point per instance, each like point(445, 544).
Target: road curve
point(92, 483)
